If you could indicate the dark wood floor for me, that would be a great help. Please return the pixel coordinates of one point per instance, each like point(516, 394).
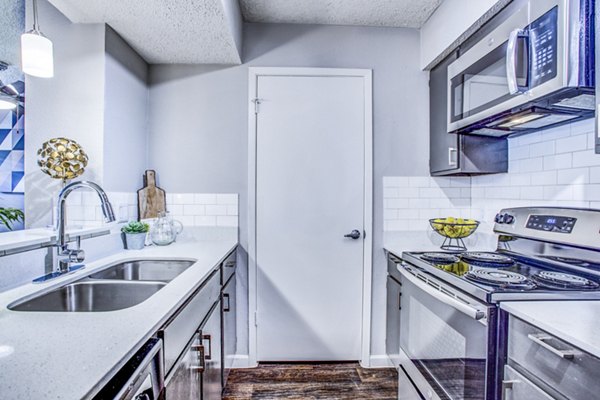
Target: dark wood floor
point(312, 381)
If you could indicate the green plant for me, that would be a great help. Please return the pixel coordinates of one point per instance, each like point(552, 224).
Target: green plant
point(135, 227)
point(8, 216)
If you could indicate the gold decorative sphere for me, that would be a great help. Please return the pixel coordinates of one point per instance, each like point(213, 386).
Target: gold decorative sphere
point(62, 158)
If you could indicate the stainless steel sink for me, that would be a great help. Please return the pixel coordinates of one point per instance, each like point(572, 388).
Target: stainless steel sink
point(91, 296)
point(144, 270)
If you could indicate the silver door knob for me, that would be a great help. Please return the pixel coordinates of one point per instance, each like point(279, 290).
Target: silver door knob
point(355, 234)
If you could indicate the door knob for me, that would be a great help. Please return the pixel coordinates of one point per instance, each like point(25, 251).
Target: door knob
point(355, 234)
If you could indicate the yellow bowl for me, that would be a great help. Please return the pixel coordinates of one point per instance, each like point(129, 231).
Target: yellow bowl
point(453, 230)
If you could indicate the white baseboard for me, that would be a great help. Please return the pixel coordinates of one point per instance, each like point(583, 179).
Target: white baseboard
point(242, 361)
point(379, 361)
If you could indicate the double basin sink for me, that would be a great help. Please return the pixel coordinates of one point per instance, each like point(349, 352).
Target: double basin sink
point(114, 288)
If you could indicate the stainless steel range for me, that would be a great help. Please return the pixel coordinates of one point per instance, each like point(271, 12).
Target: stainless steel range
point(452, 335)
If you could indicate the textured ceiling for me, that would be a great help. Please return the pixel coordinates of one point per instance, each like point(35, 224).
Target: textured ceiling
point(12, 24)
point(163, 31)
point(395, 13)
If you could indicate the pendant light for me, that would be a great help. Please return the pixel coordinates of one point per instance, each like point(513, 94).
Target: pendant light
point(36, 50)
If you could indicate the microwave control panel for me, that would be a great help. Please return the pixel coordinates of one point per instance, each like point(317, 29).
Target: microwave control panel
point(551, 223)
point(543, 46)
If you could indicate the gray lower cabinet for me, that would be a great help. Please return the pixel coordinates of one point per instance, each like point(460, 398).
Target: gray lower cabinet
point(212, 387)
point(228, 307)
point(192, 345)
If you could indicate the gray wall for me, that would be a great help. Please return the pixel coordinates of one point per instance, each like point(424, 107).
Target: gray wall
point(125, 115)
point(198, 118)
point(71, 105)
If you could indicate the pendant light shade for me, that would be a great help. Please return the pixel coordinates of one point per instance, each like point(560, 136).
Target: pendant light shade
point(37, 54)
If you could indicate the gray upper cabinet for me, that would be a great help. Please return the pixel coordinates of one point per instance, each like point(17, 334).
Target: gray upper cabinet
point(451, 154)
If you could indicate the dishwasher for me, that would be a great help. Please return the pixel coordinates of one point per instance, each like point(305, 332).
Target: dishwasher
point(142, 378)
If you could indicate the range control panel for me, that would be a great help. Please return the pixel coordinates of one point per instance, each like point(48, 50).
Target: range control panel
point(551, 223)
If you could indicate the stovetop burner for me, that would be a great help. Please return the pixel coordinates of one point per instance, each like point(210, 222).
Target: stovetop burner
point(499, 277)
point(440, 258)
point(561, 280)
point(484, 259)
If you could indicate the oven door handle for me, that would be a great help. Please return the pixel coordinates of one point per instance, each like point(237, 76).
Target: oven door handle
point(444, 298)
point(511, 58)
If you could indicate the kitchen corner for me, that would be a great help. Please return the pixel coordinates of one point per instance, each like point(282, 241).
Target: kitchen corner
point(93, 346)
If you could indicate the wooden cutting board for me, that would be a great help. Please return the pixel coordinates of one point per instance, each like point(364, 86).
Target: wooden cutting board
point(152, 200)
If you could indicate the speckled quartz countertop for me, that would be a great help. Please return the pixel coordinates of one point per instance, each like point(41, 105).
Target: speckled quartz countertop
point(576, 322)
point(61, 355)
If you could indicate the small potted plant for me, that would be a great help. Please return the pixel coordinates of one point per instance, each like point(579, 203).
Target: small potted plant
point(135, 234)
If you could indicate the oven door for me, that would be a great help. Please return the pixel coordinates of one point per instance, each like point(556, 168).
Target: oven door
point(444, 339)
point(520, 61)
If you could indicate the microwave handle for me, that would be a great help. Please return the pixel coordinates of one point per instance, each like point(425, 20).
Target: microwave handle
point(444, 298)
point(511, 58)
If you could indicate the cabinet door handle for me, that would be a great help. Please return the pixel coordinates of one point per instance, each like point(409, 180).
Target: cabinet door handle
point(450, 158)
point(507, 385)
point(209, 355)
point(226, 308)
point(541, 338)
point(199, 368)
point(230, 264)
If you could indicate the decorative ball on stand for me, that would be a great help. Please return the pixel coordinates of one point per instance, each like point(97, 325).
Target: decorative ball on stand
point(62, 158)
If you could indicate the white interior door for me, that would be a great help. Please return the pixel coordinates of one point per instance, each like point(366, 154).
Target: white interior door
point(310, 183)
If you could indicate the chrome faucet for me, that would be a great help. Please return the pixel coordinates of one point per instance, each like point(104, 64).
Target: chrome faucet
point(66, 256)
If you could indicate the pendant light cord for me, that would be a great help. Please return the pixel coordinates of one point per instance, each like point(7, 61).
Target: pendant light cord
point(36, 26)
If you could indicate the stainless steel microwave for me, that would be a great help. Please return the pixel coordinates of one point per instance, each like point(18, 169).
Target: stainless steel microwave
point(534, 70)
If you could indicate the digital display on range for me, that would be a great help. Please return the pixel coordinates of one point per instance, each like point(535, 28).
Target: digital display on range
point(551, 223)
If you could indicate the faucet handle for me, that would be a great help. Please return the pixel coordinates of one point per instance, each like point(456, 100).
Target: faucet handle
point(76, 256)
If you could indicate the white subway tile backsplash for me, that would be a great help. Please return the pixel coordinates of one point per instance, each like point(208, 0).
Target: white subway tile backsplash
point(556, 167)
point(571, 144)
point(216, 210)
point(185, 207)
point(390, 192)
point(586, 158)
point(194, 209)
point(227, 198)
point(232, 210)
point(205, 220)
point(544, 178)
point(543, 148)
point(519, 153)
point(573, 176)
point(581, 127)
point(559, 161)
point(595, 175)
point(396, 203)
point(183, 198)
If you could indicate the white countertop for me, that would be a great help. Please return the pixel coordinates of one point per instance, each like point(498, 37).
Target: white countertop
point(576, 322)
point(398, 241)
point(62, 355)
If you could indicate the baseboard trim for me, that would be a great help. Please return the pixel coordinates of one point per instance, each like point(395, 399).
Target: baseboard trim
point(242, 361)
point(379, 361)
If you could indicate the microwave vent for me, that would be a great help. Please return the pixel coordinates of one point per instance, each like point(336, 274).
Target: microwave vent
point(581, 102)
